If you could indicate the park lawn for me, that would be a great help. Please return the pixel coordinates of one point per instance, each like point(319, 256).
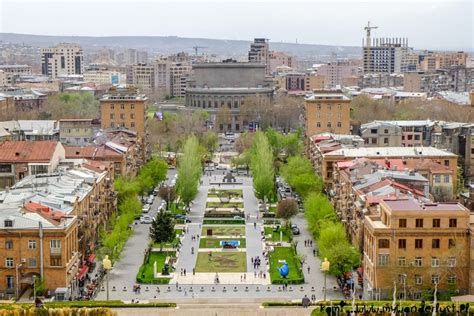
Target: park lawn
point(145, 273)
point(171, 244)
point(215, 242)
point(276, 235)
point(288, 254)
point(224, 231)
point(238, 192)
point(176, 208)
point(224, 205)
point(222, 262)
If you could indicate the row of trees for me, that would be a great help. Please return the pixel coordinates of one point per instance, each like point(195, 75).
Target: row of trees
point(298, 173)
point(129, 206)
point(365, 109)
point(189, 170)
point(60, 106)
point(263, 172)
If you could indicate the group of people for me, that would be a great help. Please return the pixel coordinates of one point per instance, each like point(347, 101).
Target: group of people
point(256, 262)
point(137, 288)
point(308, 243)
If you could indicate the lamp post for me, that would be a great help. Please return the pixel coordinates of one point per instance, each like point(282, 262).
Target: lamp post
point(325, 268)
point(107, 265)
point(34, 288)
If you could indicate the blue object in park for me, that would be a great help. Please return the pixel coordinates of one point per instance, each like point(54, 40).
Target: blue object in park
point(284, 270)
point(233, 243)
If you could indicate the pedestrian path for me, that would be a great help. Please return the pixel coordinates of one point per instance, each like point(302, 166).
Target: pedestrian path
point(224, 278)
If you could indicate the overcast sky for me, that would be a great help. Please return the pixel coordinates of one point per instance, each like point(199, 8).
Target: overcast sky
point(435, 24)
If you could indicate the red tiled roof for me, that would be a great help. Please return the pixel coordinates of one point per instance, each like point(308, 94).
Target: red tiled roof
point(91, 152)
point(23, 151)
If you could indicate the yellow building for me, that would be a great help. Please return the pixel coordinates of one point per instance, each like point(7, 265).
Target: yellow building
point(124, 108)
point(327, 111)
point(442, 60)
point(416, 245)
point(315, 82)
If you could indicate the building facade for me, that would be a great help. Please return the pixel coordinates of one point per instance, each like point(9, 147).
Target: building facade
point(381, 134)
point(62, 60)
point(124, 108)
point(260, 53)
point(327, 111)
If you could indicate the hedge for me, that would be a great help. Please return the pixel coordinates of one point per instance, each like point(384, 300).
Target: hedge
point(153, 281)
point(224, 221)
point(222, 215)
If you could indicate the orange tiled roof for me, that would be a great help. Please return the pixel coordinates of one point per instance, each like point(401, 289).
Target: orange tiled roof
point(90, 152)
point(24, 151)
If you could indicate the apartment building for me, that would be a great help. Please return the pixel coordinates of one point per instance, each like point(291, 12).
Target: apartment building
point(336, 71)
point(381, 134)
point(416, 244)
point(277, 59)
point(178, 78)
point(38, 241)
point(104, 77)
point(361, 184)
point(124, 108)
point(386, 55)
point(78, 132)
point(325, 157)
point(327, 111)
point(142, 76)
point(32, 130)
point(10, 73)
point(24, 99)
point(315, 82)
point(260, 53)
point(62, 60)
point(430, 61)
point(19, 159)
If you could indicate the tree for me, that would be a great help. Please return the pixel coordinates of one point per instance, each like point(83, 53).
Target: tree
point(189, 171)
point(262, 168)
point(224, 117)
point(162, 229)
point(209, 140)
point(286, 209)
point(168, 194)
point(334, 246)
point(71, 105)
point(319, 211)
point(299, 174)
point(244, 142)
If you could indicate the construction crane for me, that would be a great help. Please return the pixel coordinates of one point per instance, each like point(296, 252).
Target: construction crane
point(367, 29)
point(196, 49)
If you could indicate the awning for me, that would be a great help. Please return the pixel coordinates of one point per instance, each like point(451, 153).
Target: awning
point(91, 258)
point(82, 272)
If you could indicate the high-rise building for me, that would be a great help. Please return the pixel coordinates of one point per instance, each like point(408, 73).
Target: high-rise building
point(162, 72)
point(386, 55)
point(142, 57)
point(131, 56)
point(123, 108)
point(335, 71)
point(142, 76)
point(178, 75)
point(62, 60)
point(430, 61)
point(260, 53)
point(327, 111)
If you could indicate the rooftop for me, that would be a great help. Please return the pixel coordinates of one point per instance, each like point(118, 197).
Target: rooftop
point(371, 152)
point(25, 151)
point(411, 204)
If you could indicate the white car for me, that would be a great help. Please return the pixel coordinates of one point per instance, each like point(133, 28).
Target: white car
point(146, 208)
point(146, 219)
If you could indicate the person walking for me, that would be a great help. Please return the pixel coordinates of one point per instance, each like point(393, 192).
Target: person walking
point(308, 269)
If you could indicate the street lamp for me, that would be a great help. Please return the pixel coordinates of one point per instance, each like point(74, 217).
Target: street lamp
point(107, 265)
point(325, 268)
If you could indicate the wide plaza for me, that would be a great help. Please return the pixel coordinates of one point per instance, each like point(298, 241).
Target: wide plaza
point(205, 269)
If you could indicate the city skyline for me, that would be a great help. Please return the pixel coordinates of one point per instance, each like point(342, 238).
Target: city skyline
point(342, 21)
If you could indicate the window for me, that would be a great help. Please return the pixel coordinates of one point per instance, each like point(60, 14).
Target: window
point(446, 163)
point(417, 137)
point(434, 278)
point(435, 262)
point(402, 278)
point(451, 262)
point(111, 106)
point(402, 222)
point(122, 116)
point(339, 124)
point(55, 243)
point(418, 243)
point(112, 116)
point(446, 179)
point(451, 243)
point(8, 244)
point(418, 262)
point(329, 107)
point(122, 106)
point(383, 260)
point(328, 124)
point(402, 261)
point(6, 168)
point(10, 280)
point(132, 116)
point(436, 222)
point(132, 106)
point(384, 243)
point(418, 279)
point(318, 124)
point(373, 131)
point(32, 262)
point(435, 243)
point(55, 261)
point(31, 244)
point(402, 243)
point(385, 131)
point(452, 279)
point(453, 222)
point(437, 178)
point(9, 262)
point(385, 140)
point(419, 222)
point(318, 106)
point(132, 124)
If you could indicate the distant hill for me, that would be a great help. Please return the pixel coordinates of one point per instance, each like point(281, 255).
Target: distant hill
point(173, 44)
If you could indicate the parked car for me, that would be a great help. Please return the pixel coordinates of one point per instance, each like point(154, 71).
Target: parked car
point(146, 219)
point(295, 230)
point(238, 217)
point(146, 208)
point(156, 191)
